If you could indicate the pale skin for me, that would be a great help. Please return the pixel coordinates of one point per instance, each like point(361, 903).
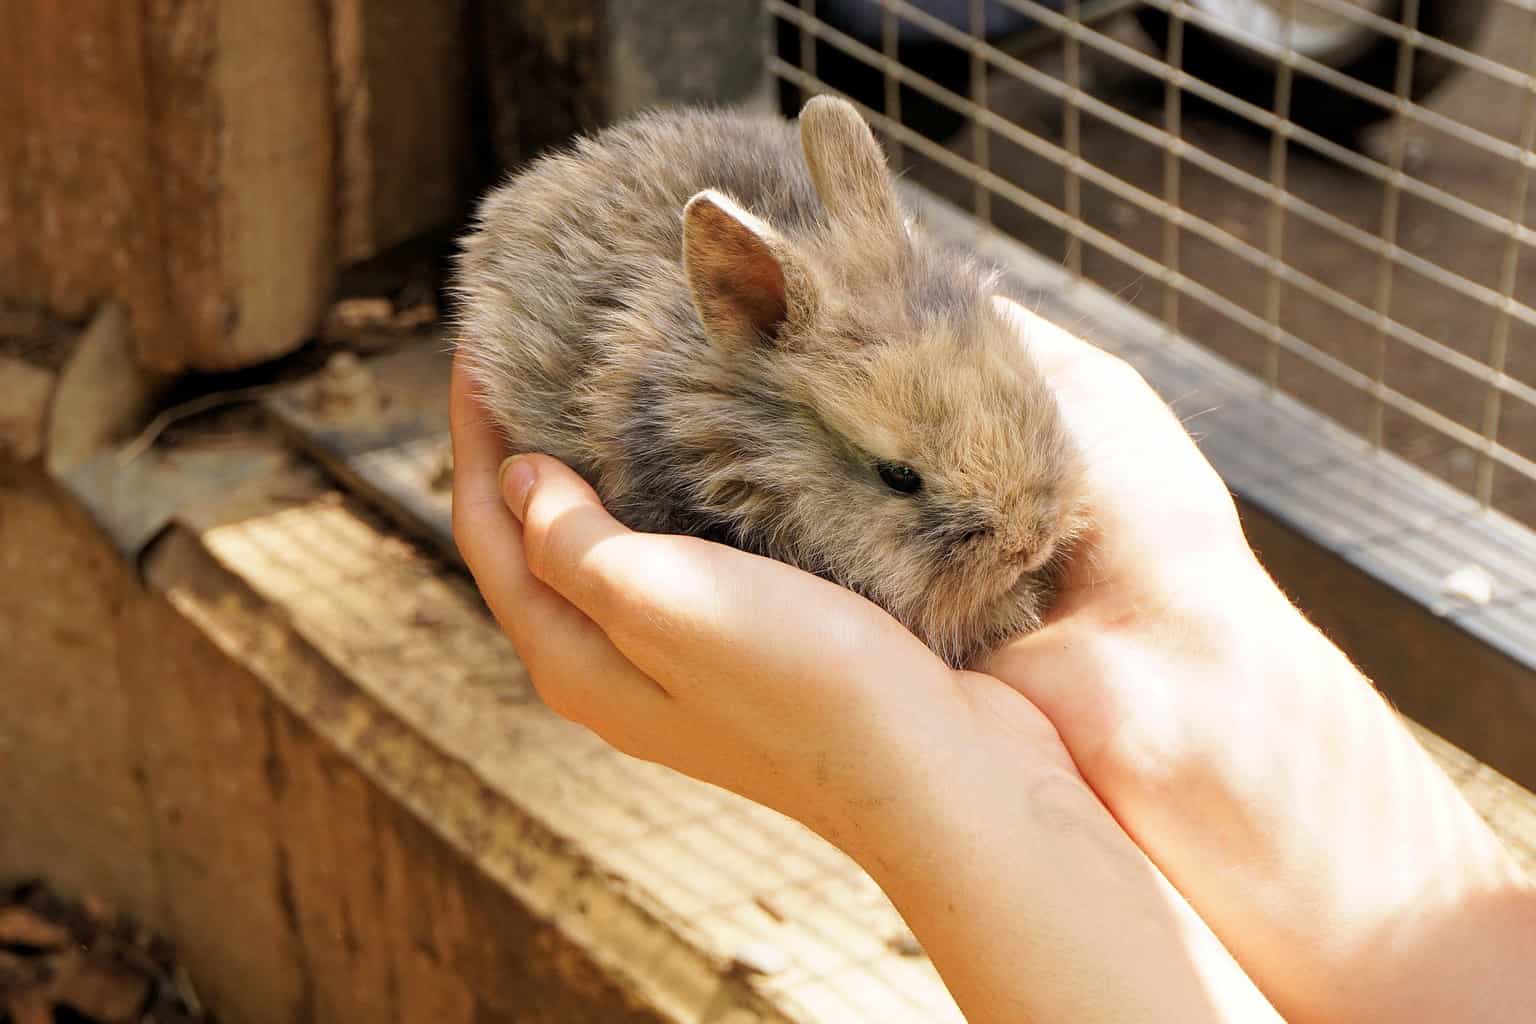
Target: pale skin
point(1176, 776)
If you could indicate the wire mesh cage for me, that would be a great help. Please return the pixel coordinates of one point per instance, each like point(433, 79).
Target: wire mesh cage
point(1332, 195)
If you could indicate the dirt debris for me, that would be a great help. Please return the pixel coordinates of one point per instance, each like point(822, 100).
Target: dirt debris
point(81, 963)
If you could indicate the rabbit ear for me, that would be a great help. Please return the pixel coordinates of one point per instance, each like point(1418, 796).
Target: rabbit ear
point(745, 281)
point(848, 166)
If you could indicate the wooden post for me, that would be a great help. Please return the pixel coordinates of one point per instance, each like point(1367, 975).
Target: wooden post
point(558, 67)
point(401, 76)
point(175, 155)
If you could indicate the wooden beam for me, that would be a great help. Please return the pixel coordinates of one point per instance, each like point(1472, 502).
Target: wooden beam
point(177, 156)
point(557, 67)
point(400, 71)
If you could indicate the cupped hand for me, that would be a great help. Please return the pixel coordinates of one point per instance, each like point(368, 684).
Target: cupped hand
point(736, 669)
point(950, 787)
point(1239, 749)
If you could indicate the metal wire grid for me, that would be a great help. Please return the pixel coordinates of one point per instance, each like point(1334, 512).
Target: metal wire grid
point(1275, 199)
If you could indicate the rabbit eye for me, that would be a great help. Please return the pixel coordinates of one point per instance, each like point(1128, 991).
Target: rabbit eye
point(900, 477)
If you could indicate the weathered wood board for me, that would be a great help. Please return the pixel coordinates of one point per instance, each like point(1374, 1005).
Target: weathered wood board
point(149, 764)
point(401, 71)
point(308, 755)
point(177, 156)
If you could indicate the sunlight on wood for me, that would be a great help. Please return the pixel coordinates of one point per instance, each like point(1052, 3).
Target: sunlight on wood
point(665, 878)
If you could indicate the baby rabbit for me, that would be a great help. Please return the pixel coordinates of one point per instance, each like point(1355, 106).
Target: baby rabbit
point(734, 336)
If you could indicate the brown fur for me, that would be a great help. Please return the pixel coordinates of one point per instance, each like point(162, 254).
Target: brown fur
point(726, 336)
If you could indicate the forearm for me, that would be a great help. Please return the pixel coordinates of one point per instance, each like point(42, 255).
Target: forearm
point(1468, 958)
point(1348, 874)
point(1034, 905)
point(1419, 911)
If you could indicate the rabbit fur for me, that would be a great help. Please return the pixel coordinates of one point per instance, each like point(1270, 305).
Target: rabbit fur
point(731, 328)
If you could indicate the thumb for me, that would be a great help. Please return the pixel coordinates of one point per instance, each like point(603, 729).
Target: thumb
point(564, 523)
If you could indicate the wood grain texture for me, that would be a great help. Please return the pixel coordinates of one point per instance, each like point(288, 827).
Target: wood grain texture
point(153, 771)
point(175, 154)
point(400, 70)
point(69, 804)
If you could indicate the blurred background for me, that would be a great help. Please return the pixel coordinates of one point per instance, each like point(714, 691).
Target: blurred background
point(252, 708)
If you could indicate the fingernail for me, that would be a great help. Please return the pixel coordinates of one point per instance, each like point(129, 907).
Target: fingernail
point(516, 476)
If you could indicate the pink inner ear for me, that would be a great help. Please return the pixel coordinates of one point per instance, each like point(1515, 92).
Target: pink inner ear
point(757, 290)
point(738, 282)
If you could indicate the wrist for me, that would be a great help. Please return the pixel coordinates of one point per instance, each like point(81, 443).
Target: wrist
point(1019, 849)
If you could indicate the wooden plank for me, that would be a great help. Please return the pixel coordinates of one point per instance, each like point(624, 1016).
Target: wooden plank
point(168, 779)
point(429, 694)
point(400, 71)
point(491, 833)
point(69, 729)
point(204, 759)
point(177, 156)
point(391, 464)
point(275, 189)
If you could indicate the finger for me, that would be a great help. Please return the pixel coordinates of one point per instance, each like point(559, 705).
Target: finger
point(687, 612)
point(576, 670)
point(1132, 443)
point(563, 520)
point(481, 522)
point(1053, 347)
point(1079, 370)
point(581, 676)
point(485, 531)
point(575, 547)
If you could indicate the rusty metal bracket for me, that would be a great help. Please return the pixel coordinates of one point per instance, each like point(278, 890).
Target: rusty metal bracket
point(380, 427)
point(103, 395)
point(134, 501)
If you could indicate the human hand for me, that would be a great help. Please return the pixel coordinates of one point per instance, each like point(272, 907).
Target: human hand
point(1241, 750)
point(951, 788)
point(677, 650)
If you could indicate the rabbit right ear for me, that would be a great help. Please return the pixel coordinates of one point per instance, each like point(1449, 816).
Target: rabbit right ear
point(848, 166)
point(746, 283)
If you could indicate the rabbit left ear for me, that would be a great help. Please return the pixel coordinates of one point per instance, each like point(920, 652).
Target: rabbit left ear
point(742, 274)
